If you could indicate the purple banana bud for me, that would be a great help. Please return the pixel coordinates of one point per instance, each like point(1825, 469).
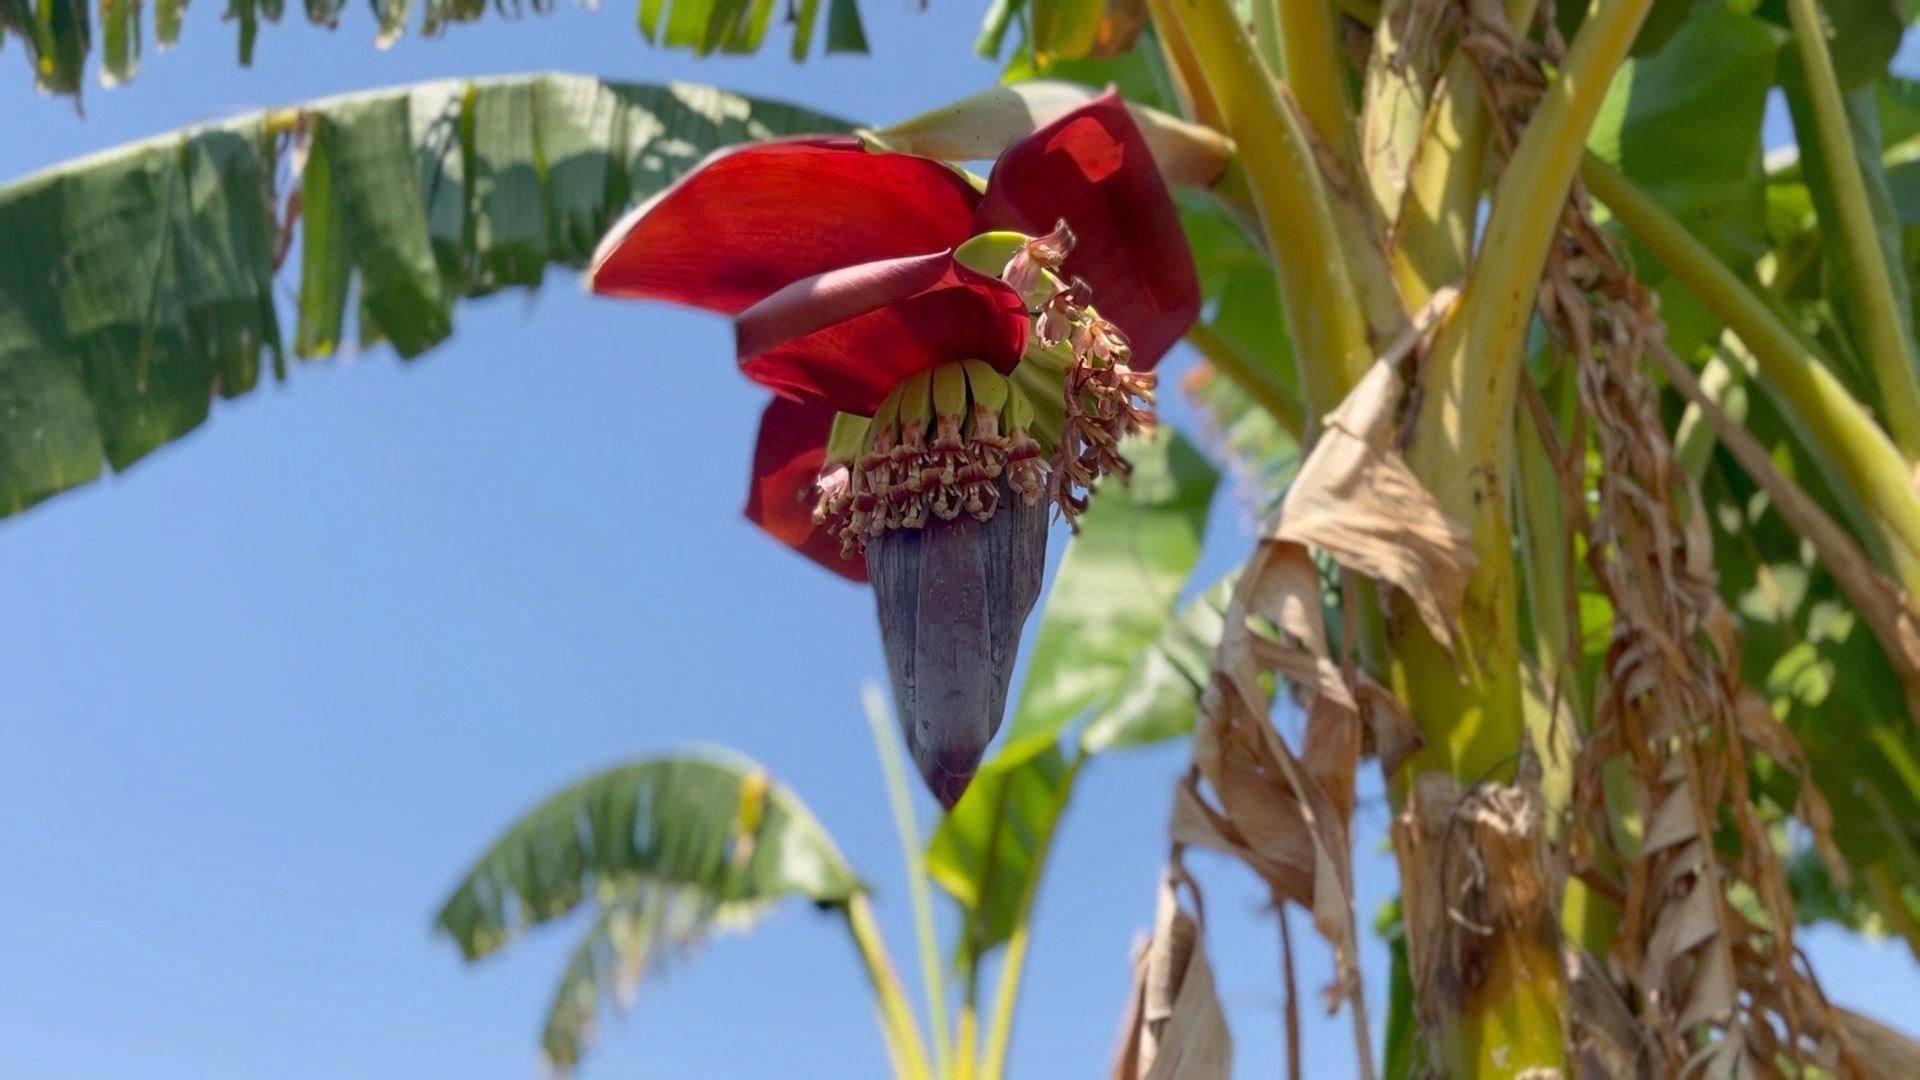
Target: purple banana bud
point(952, 598)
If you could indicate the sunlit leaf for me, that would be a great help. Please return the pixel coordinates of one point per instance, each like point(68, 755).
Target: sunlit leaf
point(1116, 588)
point(1065, 28)
point(988, 848)
point(668, 850)
point(58, 34)
point(635, 935)
point(1161, 694)
point(671, 828)
point(1684, 124)
point(136, 284)
point(1138, 73)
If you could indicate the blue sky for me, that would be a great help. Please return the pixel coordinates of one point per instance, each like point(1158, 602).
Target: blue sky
point(273, 688)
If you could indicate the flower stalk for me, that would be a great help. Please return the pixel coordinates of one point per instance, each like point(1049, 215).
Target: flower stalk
point(915, 859)
point(993, 1061)
point(1888, 334)
point(902, 1032)
point(1325, 318)
point(1509, 1014)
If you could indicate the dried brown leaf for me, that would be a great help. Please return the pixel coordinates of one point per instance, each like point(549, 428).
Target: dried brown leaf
point(1608, 1041)
point(1673, 823)
point(1357, 500)
point(1174, 1028)
point(1886, 1054)
point(1287, 814)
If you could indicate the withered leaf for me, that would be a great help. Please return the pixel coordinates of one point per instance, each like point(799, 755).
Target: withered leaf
point(1174, 1027)
point(1357, 500)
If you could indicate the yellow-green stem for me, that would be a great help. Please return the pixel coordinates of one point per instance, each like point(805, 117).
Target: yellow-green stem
point(1315, 84)
point(1189, 79)
point(902, 1033)
point(1868, 461)
point(1467, 702)
point(1261, 385)
point(1323, 312)
point(1515, 1026)
point(1473, 372)
point(1313, 65)
point(967, 1040)
point(1463, 445)
point(914, 856)
point(1392, 114)
point(1433, 233)
point(1888, 333)
point(993, 1062)
point(1267, 36)
point(1546, 547)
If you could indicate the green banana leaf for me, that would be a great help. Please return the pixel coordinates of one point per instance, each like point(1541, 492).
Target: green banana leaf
point(1117, 587)
point(58, 35)
point(1107, 641)
point(1684, 124)
point(138, 283)
point(667, 850)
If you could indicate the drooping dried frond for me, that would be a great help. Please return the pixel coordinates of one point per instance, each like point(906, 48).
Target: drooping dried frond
point(1174, 1028)
point(1705, 952)
point(1674, 709)
point(1288, 814)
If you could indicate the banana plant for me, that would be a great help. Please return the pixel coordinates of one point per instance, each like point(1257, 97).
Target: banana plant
point(666, 851)
point(1584, 426)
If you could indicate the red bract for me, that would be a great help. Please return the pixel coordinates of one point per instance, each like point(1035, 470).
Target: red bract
point(837, 265)
point(786, 460)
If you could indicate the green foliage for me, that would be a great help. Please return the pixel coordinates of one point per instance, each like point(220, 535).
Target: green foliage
point(1688, 134)
point(637, 931)
point(667, 850)
point(986, 852)
point(1116, 589)
point(1684, 124)
point(1664, 19)
point(714, 827)
point(136, 284)
point(1110, 652)
point(1842, 311)
point(1263, 453)
point(1818, 665)
point(57, 35)
point(1401, 1045)
point(1160, 696)
point(1054, 32)
point(1862, 35)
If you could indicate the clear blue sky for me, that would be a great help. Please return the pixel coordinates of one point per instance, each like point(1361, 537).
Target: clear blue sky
point(271, 690)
